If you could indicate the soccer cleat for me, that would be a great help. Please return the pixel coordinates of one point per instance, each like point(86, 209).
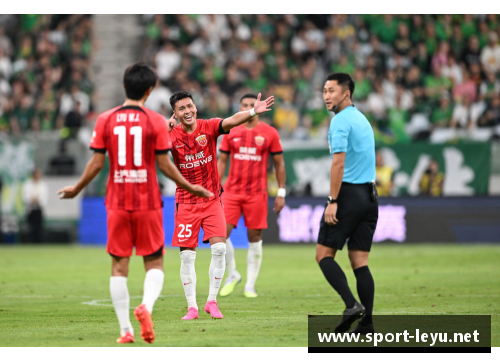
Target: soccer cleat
point(250, 294)
point(191, 314)
point(350, 315)
point(127, 338)
point(228, 288)
point(363, 329)
point(144, 317)
point(212, 308)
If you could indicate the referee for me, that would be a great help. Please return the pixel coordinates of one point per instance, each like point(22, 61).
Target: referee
point(351, 212)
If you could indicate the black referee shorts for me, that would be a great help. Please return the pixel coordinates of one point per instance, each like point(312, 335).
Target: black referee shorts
point(357, 217)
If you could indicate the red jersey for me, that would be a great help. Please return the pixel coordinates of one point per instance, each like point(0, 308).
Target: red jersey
point(132, 136)
point(195, 155)
point(249, 150)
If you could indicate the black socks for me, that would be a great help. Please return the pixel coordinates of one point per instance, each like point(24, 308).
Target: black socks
point(366, 291)
point(336, 277)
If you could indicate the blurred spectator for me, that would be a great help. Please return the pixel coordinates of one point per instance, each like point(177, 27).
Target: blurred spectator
point(384, 176)
point(490, 86)
point(490, 55)
point(62, 163)
point(35, 194)
point(462, 113)
point(442, 115)
point(466, 88)
point(73, 120)
point(167, 61)
point(491, 116)
point(452, 70)
point(431, 183)
point(158, 100)
point(471, 53)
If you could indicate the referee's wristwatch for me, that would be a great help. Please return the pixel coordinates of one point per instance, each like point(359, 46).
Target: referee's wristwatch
point(331, 200)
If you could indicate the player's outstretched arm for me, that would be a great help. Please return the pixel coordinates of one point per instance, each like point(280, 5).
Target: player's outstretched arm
point(279, 166)
point(170, 170)
point(222, 164)
point(95, 164)
point(242, 117)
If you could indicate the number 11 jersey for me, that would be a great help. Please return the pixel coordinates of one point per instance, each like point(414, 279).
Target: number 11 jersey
point(132, 136)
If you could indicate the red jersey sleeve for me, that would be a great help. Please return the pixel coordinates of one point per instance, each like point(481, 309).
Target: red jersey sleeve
point(224, 145)
point(275, 146)
point(215, 126)
point(163, 143)
point(97, 143)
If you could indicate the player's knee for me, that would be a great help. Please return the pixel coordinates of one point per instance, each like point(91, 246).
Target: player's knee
point(188, 255)
point(218, 249)
point(254, 236)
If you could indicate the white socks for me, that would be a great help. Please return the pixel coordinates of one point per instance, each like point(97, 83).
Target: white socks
point(153, 284)
point(188, 276)
point(121, 302)
point(230, 262)
point(217, 267)
point(254, 259)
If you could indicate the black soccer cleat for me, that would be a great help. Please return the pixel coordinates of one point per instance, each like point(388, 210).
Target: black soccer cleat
point(362, 329)
point(349, 317)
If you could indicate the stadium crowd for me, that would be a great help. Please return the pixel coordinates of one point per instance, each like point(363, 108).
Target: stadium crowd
point(417, 76)
point(414, 74)
point(44, 73)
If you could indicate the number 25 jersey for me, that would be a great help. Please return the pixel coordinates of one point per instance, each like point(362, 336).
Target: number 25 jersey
point(132, 136)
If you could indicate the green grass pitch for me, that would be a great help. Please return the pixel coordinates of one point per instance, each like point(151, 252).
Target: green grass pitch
point(59, 296)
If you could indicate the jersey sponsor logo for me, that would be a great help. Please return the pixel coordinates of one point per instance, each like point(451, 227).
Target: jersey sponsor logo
point(202, 140)
point(195, 160)
point(259, 140)
point(247, 154)
point(131, 176)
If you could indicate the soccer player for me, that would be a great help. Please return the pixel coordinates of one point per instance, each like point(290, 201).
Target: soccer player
point(245, 190)
point(195, 150)
point(134, 137)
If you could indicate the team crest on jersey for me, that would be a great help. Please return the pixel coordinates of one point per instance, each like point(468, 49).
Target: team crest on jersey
point(202, 140)
point(259, 140)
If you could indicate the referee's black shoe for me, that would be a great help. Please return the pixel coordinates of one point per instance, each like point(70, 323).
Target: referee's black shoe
point(349, 317)
point(363, 329)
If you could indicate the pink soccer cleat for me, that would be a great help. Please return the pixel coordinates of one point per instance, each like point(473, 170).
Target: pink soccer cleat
point(144, 317)
point(127, 338)
point(191, 314)
point(212, 308)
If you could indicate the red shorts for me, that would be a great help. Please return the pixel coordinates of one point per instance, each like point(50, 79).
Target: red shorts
point(142, 229)
point(253, 207)
point(190, 217)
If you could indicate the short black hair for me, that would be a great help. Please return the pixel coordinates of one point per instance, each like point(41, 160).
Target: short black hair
point(178, 96)
point(248, 95)
point(343, 80)
point(137, 79)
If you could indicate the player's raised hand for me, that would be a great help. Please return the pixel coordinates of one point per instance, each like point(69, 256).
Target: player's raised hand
point(279, 204)
point(172, 122)
point(68, 192)
point(200, 191)
point(263, 106)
